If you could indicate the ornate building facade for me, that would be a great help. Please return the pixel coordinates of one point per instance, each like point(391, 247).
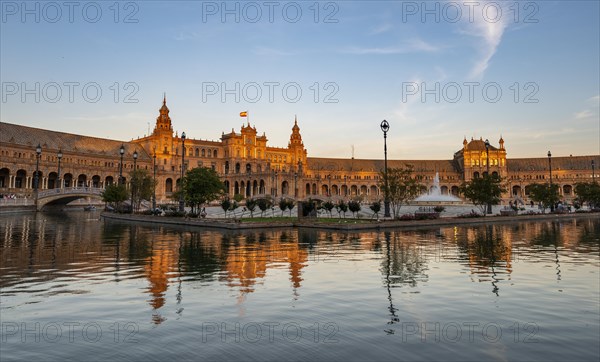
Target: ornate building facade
point(249, 166)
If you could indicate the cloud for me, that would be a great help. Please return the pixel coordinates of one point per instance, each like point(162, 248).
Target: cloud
point(489, 32)
point(383, 28)
point(411, 46)
point(584, 114)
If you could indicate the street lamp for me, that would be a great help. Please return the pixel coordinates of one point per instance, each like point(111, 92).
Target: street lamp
point(154, 183)
point(345, 185)
point(121, 152)
point(593, 173)
point(295, 184)
point(181, 202)
point(329, 187)
point(385, 127)
point(38, 151)
point(276, 182)
point(487, 165)
point(550, 169)
point(133, 177)
point(60, 155)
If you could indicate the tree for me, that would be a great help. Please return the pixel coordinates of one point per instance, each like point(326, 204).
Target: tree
point(328, 206)
point(142, 187)
point(233, 206)
point(201, 185)
point(225, 205)
point(482, 191)
point(354, 207)
point(263, 205)
point(115, 194)
point(402, 187)
point(290, 205)
point(588, 192)
point(544, 194)
point(283, 205)
point(251, 206)
point(342, 207)
point(375, 207)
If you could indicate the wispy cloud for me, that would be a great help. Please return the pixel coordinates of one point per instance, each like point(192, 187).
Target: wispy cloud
point(584, 114)
point(490, 33)
point(411, 46)
point(383, 28)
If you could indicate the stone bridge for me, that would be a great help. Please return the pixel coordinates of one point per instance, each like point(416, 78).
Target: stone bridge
point(65, 195)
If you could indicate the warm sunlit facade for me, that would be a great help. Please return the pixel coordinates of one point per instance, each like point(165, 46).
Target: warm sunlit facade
point(249, 166)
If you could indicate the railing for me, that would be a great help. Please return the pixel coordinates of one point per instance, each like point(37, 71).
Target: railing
point(16, 202)
point(70, 191)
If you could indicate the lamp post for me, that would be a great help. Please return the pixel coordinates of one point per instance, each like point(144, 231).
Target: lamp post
point(487, 165)
point(550, 169)
point(276, 182)
point(295, 184)
point(154, 183)
point(121, 152)
point(38, 151)
point(329, 187)
point(181, 201)
point(133, 177)
point(60, 156)
point(345, 185)
point(593, 173)
point(385, 127)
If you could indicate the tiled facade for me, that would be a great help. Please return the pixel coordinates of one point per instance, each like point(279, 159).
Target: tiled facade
point(249, 166)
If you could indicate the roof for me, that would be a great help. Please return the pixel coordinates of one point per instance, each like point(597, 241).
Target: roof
point(558, 163)
point(343, 164)
point(67, 142)
point(479, 145)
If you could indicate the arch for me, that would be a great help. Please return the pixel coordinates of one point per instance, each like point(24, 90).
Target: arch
point(4, 177)
point(236, 188)
point(197, 152)
point(324, 190)
point(108, 180)
point(444, 190)
point(209, 153)
point(516, 190)
point(237, 167)
point(345, 190)
point(226, 184)
point(203, 152)
point(52, 180)
point(226, 167)
point(374, 191)
point(255, 187)
point(215, 153)
point(248, 168)
point(95, 181)
point(353, 190)
point(363, 190)
point(81, 180)
point(495, 174)
point(20, 179)
point(314, 189)
point(39, 180)
point(475, 174)
point(335, 190)
point(567, 190)
point(169, 185)
point(68, 180)
point(307, 188)
point(455, 190)
point(262, 188)
point(248, 189)
point(285, 188)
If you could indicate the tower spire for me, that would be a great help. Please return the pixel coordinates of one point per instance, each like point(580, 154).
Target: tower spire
point(164, 98)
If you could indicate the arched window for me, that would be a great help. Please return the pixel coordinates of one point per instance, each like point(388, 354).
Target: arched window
point(203, 152)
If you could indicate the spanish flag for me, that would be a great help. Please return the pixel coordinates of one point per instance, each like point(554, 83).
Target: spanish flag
point(244, 114)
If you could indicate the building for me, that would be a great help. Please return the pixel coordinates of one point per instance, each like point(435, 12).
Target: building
point(249, 166)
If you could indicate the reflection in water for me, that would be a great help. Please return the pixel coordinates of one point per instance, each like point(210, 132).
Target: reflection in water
point(46, 255)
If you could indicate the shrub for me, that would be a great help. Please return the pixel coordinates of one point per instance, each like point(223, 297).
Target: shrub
point(439, 208)
point(406, 217)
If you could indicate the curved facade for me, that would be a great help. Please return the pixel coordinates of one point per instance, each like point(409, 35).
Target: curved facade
point(249, 166)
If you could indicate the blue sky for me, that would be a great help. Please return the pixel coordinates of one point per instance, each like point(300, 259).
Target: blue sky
point(369, 61)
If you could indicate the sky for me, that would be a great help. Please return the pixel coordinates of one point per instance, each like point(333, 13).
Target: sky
point(436, 71)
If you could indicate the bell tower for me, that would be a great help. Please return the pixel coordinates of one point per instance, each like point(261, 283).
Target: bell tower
point(296, 147)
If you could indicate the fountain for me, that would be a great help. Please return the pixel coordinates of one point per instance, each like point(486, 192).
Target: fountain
point(435, 194)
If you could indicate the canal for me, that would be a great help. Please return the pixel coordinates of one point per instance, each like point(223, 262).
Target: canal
point(75, 287)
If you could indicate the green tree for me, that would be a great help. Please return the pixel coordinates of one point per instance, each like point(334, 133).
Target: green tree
point(225, 205)
point(328, 206)
point(283, 205)
point(588, 192)
point(114, 195)
point(142, 187)
point(201, 185)
point(290, 205)
point(264, 204)
point(375, 207)
point(354, 207)
point(402, 187)
point(342, 207)
point(251, 206)
point(544, 194)
point(482, 191)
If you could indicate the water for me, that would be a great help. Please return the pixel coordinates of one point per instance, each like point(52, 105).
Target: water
point(435, 193)
point(77, 288)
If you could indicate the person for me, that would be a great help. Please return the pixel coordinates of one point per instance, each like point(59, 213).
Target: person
point(203, 213)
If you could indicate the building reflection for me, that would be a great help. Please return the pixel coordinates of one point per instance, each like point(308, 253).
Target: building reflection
point(47, 246)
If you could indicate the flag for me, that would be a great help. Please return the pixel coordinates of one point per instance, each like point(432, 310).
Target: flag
point(244, 114)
